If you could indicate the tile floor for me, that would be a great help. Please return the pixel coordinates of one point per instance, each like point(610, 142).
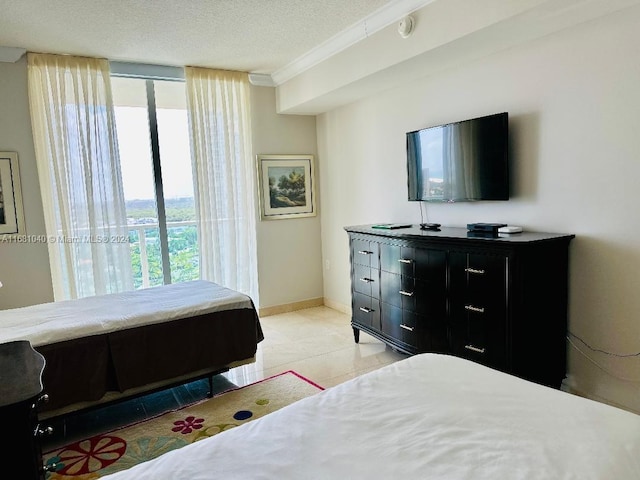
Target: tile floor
point(316, 343)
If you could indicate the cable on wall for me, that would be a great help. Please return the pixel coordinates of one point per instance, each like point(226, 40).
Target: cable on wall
point(619, 355)
point(604, 369)
point(422, 215)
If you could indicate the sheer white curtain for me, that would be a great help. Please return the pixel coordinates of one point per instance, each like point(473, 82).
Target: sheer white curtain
point(79, 170)
point(223, 169)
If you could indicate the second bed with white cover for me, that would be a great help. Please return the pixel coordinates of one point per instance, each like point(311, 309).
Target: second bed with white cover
point(427, 417)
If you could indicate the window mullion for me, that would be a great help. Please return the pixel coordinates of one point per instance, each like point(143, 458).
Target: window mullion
point(157, 174)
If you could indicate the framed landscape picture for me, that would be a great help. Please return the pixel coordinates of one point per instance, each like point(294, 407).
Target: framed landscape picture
point(287, 186)
point(11, 213)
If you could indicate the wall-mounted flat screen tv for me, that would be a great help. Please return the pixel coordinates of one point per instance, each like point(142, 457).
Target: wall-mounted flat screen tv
point(460, 162)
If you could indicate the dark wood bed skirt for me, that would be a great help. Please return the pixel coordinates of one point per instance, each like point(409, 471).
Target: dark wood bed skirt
point(85, 369)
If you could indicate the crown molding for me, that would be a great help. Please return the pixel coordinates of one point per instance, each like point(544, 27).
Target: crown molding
point(366, 27)
point(11, 54)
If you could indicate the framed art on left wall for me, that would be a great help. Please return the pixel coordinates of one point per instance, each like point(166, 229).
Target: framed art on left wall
point(287, 186)
point(11, 212)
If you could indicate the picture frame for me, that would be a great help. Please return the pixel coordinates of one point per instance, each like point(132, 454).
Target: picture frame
point(11, 209)
point(287, 186)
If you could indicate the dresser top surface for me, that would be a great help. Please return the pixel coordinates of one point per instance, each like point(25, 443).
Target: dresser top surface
point(457, 233)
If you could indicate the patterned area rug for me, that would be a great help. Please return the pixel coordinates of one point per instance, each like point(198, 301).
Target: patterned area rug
point(120, 449)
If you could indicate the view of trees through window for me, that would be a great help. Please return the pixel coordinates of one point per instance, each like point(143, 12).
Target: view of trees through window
point(182, 241)
point(136, 117)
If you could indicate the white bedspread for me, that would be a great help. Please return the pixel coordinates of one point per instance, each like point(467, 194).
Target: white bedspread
point(427, 417)
point(57, 321)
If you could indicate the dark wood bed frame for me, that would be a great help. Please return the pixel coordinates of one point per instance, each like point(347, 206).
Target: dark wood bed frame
point(93, 370)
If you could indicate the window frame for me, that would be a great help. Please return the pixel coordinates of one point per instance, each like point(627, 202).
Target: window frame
point(151, 73)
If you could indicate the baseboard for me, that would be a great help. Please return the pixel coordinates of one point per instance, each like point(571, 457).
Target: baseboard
point(290, 307)
point(338, 306)
point(569, 388)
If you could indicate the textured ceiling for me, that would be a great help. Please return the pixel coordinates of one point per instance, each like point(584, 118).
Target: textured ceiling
point(259, 36)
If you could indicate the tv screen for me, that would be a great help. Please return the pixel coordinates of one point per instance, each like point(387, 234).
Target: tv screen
point(460, 162)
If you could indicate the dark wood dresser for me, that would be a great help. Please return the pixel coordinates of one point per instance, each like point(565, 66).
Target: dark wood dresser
point(497, 300)
point(21, 370)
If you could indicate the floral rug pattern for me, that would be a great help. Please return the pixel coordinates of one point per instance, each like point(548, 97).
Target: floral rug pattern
point(120, 449)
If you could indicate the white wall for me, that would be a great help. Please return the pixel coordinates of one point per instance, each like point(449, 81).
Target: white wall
point(24, 268)
point(574, 102)
point(289, 253)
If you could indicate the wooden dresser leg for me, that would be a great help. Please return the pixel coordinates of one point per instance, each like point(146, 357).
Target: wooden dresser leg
point(356, 334)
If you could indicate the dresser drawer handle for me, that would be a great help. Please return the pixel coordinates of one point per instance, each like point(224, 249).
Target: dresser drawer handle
point(406, 327)
point(366, 310)
point(406, 294)
point(365, 252)
point(474, 270)
point(366, 280)
point(44, 398)
point(474, 349)
point(41, 432)
point(405, 260)
point(474, 309)
point(51, 467)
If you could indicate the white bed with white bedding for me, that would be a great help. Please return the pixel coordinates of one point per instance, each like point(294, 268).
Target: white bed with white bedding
point(108, 347)
point(69, 319)
point(429, 417)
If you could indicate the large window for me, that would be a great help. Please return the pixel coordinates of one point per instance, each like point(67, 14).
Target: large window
point(153, 139)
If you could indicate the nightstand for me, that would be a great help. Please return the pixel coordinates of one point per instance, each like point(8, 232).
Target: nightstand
point(21, 388)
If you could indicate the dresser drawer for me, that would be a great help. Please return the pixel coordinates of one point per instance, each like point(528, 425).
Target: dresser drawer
point(486, 275)
point(391, 321)
point(397, 290)
point(365, 280)
point(366, 311)
point(364, 252)
point(481, 274)
point(482, 310)
point(397, 259)
point(414, 295)
point(481, 342)
point(425, 333)
point(420, 333)
point(425, 263)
